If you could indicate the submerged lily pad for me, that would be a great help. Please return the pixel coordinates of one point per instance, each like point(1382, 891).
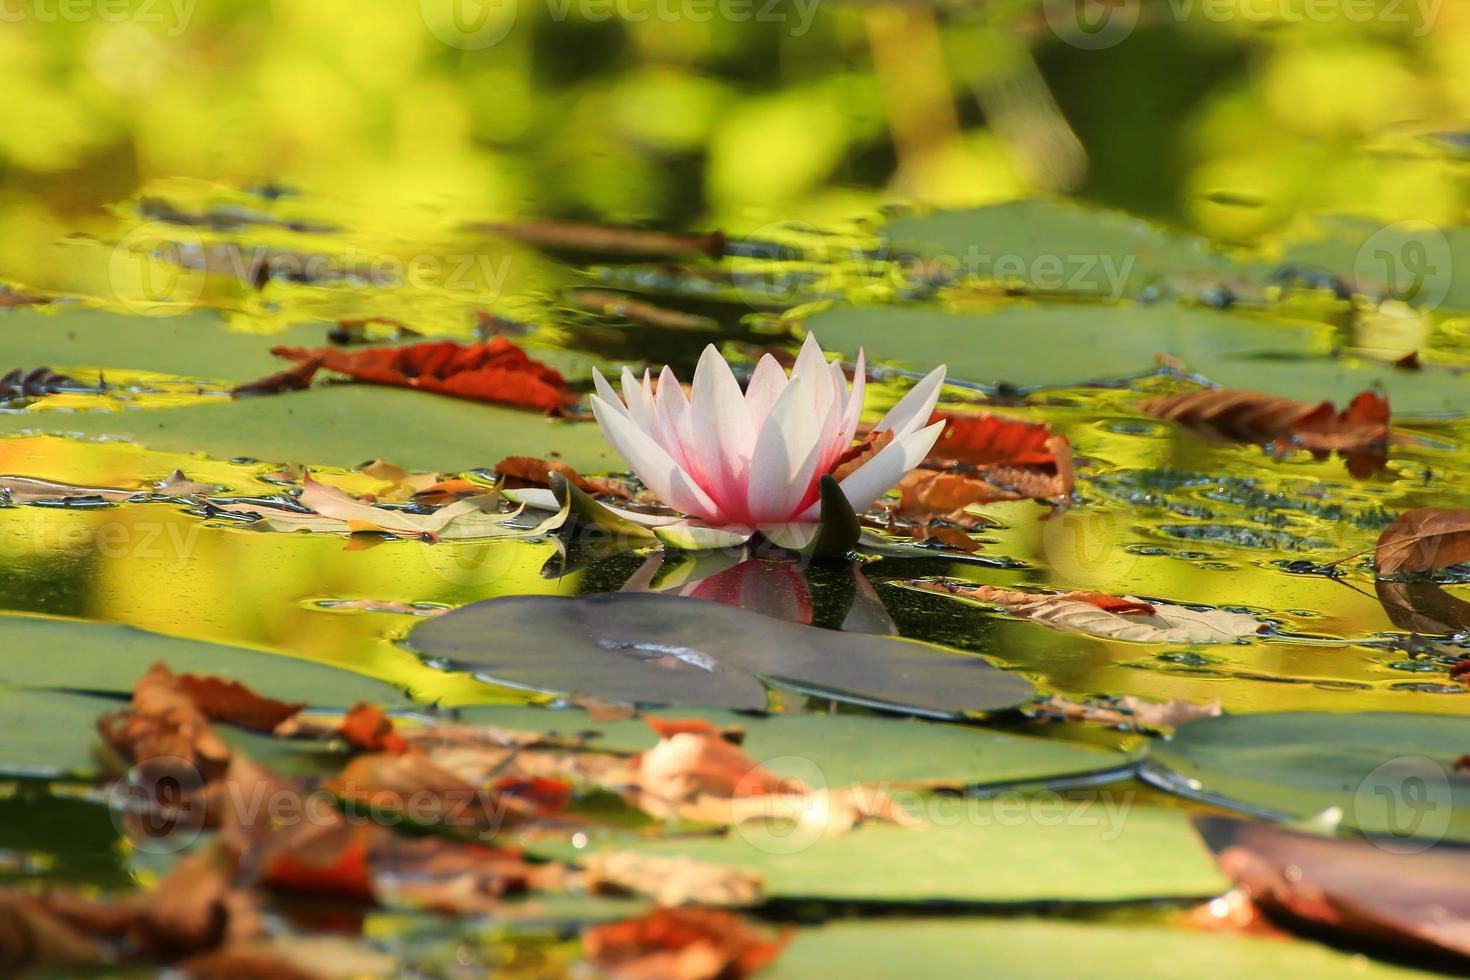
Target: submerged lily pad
point(659, 649)
point(1006, 850)
point(845, 749)
point(339, 425)
point(1063, 345)
point(1022, 949)
point(1388, 773)
point(80, 656)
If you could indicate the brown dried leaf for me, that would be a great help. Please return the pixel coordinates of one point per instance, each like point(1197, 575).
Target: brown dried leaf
point(1423, 539)
point(1133, 712)
point(1357, 890)
point(221, 699)
point(682, 944)
point(1084, 612)
point(852, 460)
point(673, 879)
point(532, 471)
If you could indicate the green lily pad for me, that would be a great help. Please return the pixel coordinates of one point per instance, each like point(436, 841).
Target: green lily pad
point(196, 345)
point(1410, 261)
point(1021, 949)
point(840, 750)
point(978, 851)
point(1390, 774)
point(658, 649)
point(53, 735)
point(339, 425)
point(1062, 344)
point(105, 657)
point(63, 838)
point(1050, 247)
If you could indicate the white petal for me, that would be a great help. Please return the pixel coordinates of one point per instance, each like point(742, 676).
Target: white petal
point(689, 536)
point(723, 436)
point(654, 466)
point(606, 393)
point(853, 408)
point(672, 410)
point(811, 367)
point(640, 406)
point(871, 480)
point(786, 456)
point(765, 386)
point(792, 537)
point(913, 410)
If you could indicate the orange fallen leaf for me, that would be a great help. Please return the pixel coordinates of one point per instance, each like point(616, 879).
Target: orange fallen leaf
point(367, 728)
point(683, 944)
point(986, 440)
point(494, 371)
point(532, 471)
point(221, 699)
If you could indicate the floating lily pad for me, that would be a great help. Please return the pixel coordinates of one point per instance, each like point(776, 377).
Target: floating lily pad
point(53, 735)
point(1005, 850)
point(105, 657)
point(659, 649)
point(1388, 773)
point(1048, 948)
point(1046, 246)
point(196, 345)
point(846, 749)
point(339, 425)
point(1064, 344)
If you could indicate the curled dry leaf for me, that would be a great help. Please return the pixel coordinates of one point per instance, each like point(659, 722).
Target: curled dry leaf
point(294, 378)
point(221, 699)
point(1423, 539)
point(495, 371)
point(1113, 618)
point(1357, 890)
point(1132, 712)
point(334, 511)
point(698, 772)
point(413, 787)
point(30, 489)
point(673, 879)
point(532, 471)
point(682, 944)
point(368, 729)
point(1360, 432)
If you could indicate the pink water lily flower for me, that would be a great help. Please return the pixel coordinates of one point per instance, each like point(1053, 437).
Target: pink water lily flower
point(740, 462)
